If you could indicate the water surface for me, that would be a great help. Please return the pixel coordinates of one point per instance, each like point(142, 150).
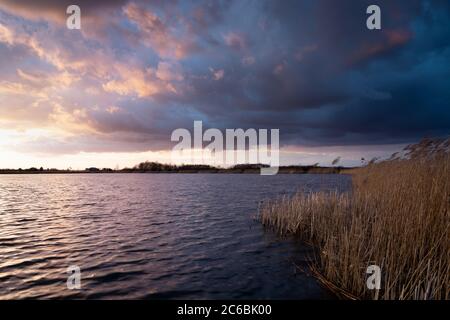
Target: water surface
point(150, 236)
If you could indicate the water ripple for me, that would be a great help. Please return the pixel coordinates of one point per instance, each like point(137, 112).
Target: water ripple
point(150, 236)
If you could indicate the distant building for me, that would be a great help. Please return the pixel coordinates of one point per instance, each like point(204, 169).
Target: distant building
point(92, 169)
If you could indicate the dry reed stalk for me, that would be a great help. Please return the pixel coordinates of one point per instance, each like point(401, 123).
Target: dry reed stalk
point(397, 216)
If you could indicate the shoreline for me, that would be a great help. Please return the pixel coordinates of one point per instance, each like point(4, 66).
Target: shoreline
point(188, 169)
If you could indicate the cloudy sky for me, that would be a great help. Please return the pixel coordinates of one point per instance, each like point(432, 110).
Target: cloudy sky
point(111, 93)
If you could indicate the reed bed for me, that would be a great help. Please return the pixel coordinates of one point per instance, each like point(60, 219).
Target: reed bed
point(396, 216)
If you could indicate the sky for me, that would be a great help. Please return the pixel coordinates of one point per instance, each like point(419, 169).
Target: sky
point(111, 93)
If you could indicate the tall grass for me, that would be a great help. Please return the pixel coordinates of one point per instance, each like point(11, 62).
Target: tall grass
point(397, 216)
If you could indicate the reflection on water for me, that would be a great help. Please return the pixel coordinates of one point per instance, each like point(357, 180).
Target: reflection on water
point(149, 236)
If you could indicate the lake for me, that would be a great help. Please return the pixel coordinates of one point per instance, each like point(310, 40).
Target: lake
point(151, 236)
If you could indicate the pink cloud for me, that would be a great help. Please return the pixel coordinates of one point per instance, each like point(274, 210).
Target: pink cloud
point(279, 68)
point(156, 34)
point(169, 72)
point(236, 40)
point(391, 39)
point(217, 74)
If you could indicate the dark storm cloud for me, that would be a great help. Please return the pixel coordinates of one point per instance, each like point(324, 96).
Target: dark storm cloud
point(324, 79)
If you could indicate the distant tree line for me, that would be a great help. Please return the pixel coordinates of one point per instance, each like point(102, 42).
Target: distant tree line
point(150, 166)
